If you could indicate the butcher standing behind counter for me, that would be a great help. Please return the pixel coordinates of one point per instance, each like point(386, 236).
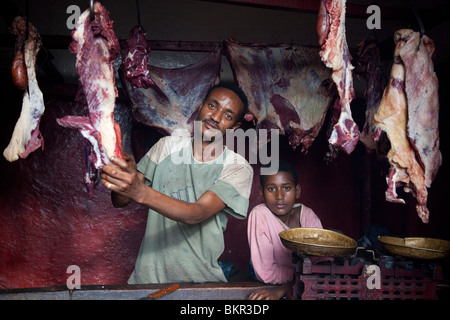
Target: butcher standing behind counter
point(189, 202)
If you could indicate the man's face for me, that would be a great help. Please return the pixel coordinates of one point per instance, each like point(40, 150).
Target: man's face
point(221, 110)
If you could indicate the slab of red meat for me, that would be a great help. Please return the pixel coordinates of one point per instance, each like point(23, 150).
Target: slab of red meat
point(336, 56)
point(26, 136)
point(421, 85)
point(368, 65)
point(395, 118)
point(135, 59)
point(96, 47)
point(287, 86)
point(171, 102)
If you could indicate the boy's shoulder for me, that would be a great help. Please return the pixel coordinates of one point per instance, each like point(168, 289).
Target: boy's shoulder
point(260, 209)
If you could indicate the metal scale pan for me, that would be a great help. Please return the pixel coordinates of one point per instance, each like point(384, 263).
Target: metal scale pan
point(416, 248)
point(318, 242)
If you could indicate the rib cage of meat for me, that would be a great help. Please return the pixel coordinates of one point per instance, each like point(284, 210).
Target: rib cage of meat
point(287, 86)
point(96, 47)
point(397, 113)
point(171, 102)
point(26, 136)
point(336, 56)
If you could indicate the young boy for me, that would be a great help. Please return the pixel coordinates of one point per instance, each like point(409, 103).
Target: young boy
point(271, 260)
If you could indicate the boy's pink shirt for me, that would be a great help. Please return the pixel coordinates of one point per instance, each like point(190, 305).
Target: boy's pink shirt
point(271, 260)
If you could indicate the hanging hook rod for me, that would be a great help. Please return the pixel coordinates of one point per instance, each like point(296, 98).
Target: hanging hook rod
point(92, 10)
point(416, 14)
point(138, 14)
point(27, 15)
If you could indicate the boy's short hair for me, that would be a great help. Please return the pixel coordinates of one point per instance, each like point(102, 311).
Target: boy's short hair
point(283, 166)
point(238, 91)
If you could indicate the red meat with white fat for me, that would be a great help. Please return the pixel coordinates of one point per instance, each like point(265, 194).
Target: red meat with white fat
point(96, 47)
point(26, 136)
point(287, 86)
point(335, 54)
point(408, 113)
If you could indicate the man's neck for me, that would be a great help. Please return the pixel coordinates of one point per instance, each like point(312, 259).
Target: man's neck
point(210, 150)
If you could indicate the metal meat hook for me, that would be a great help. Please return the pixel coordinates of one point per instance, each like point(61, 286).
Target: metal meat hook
point(138, 15)
point(27, 31)
point(416, 14)
point(27, 34)
point(422, 28)
point(91, 10)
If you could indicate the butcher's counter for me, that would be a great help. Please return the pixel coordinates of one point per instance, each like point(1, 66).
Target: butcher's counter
point(186, 291)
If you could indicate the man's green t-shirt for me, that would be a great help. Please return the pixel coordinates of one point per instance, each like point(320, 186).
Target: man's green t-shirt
point(173, 251)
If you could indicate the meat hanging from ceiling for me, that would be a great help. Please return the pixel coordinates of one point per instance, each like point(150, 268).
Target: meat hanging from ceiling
point(96, 47)
point(408, 113)
point(422, 86)
point(368, 65)
point(335, 54)
point(135, 59)
point(171, 102)
point(287, 86)
point(26, 136)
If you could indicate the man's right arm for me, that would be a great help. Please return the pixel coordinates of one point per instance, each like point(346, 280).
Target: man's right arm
point(118, 200)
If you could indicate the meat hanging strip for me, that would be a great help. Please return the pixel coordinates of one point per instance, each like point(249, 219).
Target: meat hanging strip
point(421, 85)
point(368, 65)
point(335, 54)
point(288, 88)
point(398, 112)
point(135, 61)
point(96, 47)
point(26, 136)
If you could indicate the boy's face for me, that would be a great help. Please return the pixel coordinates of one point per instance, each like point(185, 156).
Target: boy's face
point(280, 193)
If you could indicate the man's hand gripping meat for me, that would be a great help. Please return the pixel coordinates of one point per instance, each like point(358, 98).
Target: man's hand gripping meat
point(124, 180)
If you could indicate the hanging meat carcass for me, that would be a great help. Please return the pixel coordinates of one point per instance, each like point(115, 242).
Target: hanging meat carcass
point(287, 86)
point(408, 113)
point(26, 136)
point(421, 85)
point(335, 54)
point(171, 102)
point(368, 65)
point(135, 59)
point(96, 48)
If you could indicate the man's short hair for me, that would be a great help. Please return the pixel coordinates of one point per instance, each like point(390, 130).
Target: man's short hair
point(238, 91)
